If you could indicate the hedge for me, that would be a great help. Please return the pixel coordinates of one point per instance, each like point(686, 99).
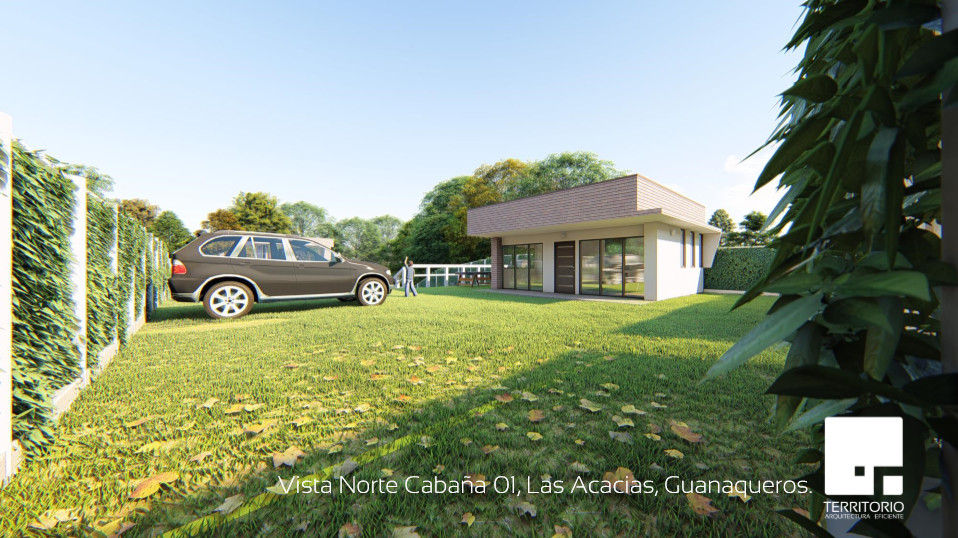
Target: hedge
point(738, 268)
point(45, 356)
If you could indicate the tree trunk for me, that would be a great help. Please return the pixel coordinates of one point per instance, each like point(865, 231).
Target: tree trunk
point(949, 296)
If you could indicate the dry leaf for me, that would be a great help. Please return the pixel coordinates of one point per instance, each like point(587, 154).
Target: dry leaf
point(234, 409)
point(592, 407)
point(657, 405)
point(415, 381)
point(610, 386)
point(653, 436)
point(673, 453)
point(701, 505)
point(475, 481)
point(288, 457)
point(621, 479)
point(534, 436)
point(536, 415)
point(149, 486)
point(138, 422)
point(230, 504)
point(405, 532)
point(502, 426)
point(362, 408)
point(350, 530)
point(561, 531)
point(621, 437)
point(632, 410)
point(468, 519)
point(329, 378)
point(525, 508)
point(302, 421)
point(529, 397)
point(200, 457)
point(505, 397)
point(577, 467)
point(489, 449)
point(740, 493)
point(252, 407)
point(622, 422)
point(682, 430)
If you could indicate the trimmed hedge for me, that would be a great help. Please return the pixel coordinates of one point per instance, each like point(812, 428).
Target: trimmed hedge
point(45, 356)
point(101, 284)
point(738, 268)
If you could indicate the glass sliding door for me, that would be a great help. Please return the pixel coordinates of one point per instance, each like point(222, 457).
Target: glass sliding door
point(589, 267)
point(535, 267)
point(522, 267)
point(613, 267)
point(508, 267)
point(634, 272)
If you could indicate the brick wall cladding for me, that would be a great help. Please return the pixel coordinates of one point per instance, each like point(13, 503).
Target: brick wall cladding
point(496, 280)
point(616, 198)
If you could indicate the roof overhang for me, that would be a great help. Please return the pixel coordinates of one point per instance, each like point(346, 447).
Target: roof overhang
point(648, 216)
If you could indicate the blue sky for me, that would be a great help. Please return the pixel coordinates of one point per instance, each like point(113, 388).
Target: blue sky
point(362, 107)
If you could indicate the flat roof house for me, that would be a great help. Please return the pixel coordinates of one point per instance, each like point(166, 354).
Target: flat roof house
point(625, 237)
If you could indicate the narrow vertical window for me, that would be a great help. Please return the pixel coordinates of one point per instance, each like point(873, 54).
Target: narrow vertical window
point(692, 240)
point(683, 246)
point(701, 250)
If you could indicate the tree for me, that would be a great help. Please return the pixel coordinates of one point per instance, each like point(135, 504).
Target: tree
point(503, 175)
point(860, 268)
point(259, 212)
point(367, 239)
point(167, 227)
point(753, 233)
point(140, 210)
point(561, 171)
point(221, 219)
point(721, 220)
point(307, 219)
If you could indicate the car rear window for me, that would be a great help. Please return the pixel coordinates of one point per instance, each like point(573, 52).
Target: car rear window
point(308, 251)
point(219, 246)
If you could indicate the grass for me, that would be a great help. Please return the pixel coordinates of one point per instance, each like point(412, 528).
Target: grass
point(356, 379)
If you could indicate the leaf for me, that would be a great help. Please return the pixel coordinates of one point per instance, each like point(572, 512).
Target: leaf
point(405, 532)
point(230, 504)
point(151, 485)
point(775, 327)
point(468, 519)
point(740, 493)
point(415, 380)
point(252, 407)
point(362, 408)
point(534, 436)
point(208, 404)
point(610, 386)
point(631, 410)
point(536, 415)
point(873, 202)
point(234, 409)
point(489, 449)
point(931, 55)
point(657, 405)
point(592, 407)
point(529, 397)
point(682, 430)
point(115, 528)
point(504, 397)
point(816, 88)
point(653, 436)
point(623, 422)
point(329, 378)
point(819, 413)
point(187, 426)
point(824, 382)
point(800, 139)
point(475, 481)
point(621, 479)
point(138, 422)
point(561, 531)
point(579, 468)
point(302, 421)
point(525, 508)
point(881, 342)
point(502, 426)
point(256, 429)
point(350, 530)
point(200, 457)
point(905, 283)
point(622, 437)
point(701, 505)
point(673, 453)
point(288, 457)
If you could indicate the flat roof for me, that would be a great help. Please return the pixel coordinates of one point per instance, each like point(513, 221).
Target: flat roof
point(632, 199)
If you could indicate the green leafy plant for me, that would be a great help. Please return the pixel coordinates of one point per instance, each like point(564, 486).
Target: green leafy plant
point(858, 263)
point(738, 268)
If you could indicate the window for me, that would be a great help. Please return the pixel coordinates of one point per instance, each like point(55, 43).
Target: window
point(692, 241)
point(683, 246)
point(701, 251)
point(220, 246)
point(522, 267)
point(613, 267)
point(269, 248)
point(307, 251)
point(247, 250)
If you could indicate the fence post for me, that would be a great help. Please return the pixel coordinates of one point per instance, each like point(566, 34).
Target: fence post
point(79, 275)
point(9, 455)
point(428, 277)
point(445, 281)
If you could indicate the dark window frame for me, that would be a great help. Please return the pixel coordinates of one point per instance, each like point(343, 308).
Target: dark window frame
point(683, 246)
point(692, 234)
point(529, 248)
point(601, 252)
point(701, 250)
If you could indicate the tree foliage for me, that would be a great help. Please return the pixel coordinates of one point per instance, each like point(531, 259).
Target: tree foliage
point(167, 227)
point(308, 220)
point(721, 220)
point(140, 210)
point(259, 212)
point(859, 161)
point(221, 219)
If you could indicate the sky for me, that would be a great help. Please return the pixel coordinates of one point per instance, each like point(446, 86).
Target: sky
point(362, 107)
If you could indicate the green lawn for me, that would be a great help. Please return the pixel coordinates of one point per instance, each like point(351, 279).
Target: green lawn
point(342, 382)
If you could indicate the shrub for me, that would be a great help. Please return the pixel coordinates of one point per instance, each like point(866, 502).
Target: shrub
point(738, 268)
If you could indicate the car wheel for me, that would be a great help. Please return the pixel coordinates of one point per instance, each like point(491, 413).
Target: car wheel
point(228, 300)
point(371, 292)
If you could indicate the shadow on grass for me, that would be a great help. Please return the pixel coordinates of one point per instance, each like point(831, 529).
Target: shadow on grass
point(195, 311)
point(722, 411)
point(487, 294)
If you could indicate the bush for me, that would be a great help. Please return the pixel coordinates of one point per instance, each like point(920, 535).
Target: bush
point(738, 268)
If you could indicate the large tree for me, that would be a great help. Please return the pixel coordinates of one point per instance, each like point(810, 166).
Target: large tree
point(307, 219)
point(367, 239)
point(140, 210)
point(221, 219)
point(259, 212)
point(721, 220)
point(753, 229)
point(561, 171)
point(169, 229)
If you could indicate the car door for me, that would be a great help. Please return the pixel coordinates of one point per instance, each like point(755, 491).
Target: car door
point(268, 265)
point(320, 271)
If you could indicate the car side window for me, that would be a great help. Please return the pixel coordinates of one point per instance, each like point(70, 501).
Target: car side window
point(307, 251)
point(269, 248)
point(220, 246)
point(247, 250)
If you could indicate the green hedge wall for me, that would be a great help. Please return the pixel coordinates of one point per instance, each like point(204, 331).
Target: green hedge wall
point(101, 284)
point(45, 356)
point(738, 268)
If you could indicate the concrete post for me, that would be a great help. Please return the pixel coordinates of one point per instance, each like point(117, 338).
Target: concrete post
point(9, 455)
point(78, 275)
point(495, 282)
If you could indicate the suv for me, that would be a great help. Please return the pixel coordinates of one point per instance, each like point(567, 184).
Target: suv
point(230, 270)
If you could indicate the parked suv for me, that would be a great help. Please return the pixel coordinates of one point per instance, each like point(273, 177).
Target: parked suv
point(230, 270)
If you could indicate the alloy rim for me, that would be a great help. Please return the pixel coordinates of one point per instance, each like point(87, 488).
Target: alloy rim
point(373, 292)
point(229, 301)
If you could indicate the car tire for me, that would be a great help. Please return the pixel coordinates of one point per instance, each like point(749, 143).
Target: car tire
point(371, 291)
point(228, 300)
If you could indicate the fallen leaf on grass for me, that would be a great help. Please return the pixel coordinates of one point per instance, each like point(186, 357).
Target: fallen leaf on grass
point(362, 408)
point(621, 479)
point(200, 457)
point(405, 532)
point(590, 406)
point(579, 442)
point(529, 397)
point(468, 519)
point(653, 436)
point(187, 426)
point(149, 486)
point(476, 482)
point(682, 430)
point(504, 397)
point(415, 380)
point(115, 528)
point(230, 504)
point(350, 530)
point(701, 505)
point(425, 441)
point(534, 436)
point(52, 518)
point(561, 531)
point(502, 426)
point(740, 493)
point(372, 441)
point(438, 469)
point(291, 366)
point(403, 398)
point(377, 377)
point(577, 467)
point(673, 453)
point(386, 472)
point(622, 422)
point(302, 421)
point(525, 508)
point(256, 429)
point(252, 407)
point(234, 409)
point(610, 386)
point(288, 457)
point(158, 446)
point(657, 405)
point(139, 422)
point(489, 449)
point(621, 437)
point(466, 441)
point(329, 378)
point(654, 428)
point(632, 410)
point(536, 415)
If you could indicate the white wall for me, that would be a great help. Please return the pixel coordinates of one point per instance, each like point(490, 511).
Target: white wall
point(8, 459)
point(549, 240)
point(671, 279)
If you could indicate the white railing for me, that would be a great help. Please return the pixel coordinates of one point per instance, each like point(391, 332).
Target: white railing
point(442, 274)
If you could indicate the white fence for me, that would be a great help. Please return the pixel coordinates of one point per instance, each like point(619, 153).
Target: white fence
point(437, 274)
point(89, 368)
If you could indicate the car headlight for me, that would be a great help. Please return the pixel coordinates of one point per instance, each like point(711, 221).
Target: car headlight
point(388, 272)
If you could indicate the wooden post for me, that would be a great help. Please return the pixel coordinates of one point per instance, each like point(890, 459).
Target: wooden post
point(9, 455)
point(949, 294)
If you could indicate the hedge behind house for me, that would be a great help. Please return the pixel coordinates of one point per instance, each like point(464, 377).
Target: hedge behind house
point(738, 268)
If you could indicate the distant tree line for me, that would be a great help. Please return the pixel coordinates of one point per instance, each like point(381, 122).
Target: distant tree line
point(436, 234)
point(750, 233)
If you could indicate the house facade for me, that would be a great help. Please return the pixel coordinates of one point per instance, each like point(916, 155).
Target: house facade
point(625, 237)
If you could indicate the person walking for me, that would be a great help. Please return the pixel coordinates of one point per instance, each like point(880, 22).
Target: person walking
point(408, 274)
